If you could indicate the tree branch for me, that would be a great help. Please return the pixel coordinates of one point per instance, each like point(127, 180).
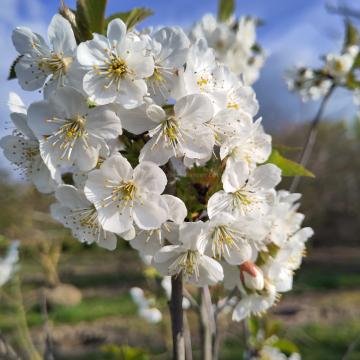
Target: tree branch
point(311, 137)
point(177, 317)
point(343, 10)
point(207, 324)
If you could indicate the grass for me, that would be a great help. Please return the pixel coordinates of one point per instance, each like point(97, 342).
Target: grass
point(316, 342)
point(90, 309)
point(94, 308)
point(326, 278)
point(319, 342)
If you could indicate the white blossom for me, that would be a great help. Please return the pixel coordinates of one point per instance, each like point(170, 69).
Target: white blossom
point(116, 66)
point(339, 65)
point(39, 64)
point(233, 238)
point(181, 132)
point(148, 242)
point(145, 309)
point(123, 195)
point(246, 193)
point(71, 133)
point(22, 148)
point(169, 47)
point(188, 258)
point(249, 144)
point(77, 213)
point(233, 44)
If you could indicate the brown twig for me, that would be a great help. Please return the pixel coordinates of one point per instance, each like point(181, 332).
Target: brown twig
point(311, 137)
point(343, 10)
point(177, 317)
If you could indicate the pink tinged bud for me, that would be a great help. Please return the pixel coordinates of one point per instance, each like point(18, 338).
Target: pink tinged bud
point(251, 276)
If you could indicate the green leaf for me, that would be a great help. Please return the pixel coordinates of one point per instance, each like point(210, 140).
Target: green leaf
point(94, 13)
point(131, 18)
point(286, 149)
point(226, 9)
point(288, 167)
point(286, 346)
point(351, 34)
point(12, 73)
point(254, 325)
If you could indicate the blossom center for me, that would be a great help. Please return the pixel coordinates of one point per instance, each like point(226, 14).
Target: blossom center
point(222, 239)
point(157, 75)
point(31, 152)
point(88, 218)
point(242, 197)
point(117, 67)
point(202, 82)
point(56, 64)
point(169, 131)
point(67, 135)
point(187, 263)
point(232, 105)
point(125, 192)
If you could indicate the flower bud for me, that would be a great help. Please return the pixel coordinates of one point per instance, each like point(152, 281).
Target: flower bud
point(251, 276)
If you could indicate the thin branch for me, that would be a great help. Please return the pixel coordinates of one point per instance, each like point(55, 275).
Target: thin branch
point(192, 300)
point(49, 350)
point(311, 137)
point(207, 324)
point(343, 10)
point(187, 338)
point(351, 348)
point(177, 317)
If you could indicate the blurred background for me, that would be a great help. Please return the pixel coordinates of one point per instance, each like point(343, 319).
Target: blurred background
point(321, 315)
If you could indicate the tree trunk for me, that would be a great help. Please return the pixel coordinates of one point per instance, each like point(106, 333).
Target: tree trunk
point(177, 317)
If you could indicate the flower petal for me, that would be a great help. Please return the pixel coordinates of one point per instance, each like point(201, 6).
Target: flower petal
point(103, 122)
point(196, 108)
point(61, 36)
point(151, 212)
point(150, 177)
point(265, 176)
point(235, 175)
point(177, 209)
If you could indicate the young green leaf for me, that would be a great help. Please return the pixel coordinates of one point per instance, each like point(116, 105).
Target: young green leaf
point(285, 149)
point(254, 325)
point(351, 34)
point(226, 9)
point(131, 18)
point(288, 167)
point(94, 12)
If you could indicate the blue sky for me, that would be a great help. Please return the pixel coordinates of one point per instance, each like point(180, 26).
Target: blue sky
point(294, 32)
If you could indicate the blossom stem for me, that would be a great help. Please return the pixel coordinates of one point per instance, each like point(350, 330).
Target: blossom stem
point(311, 137)
point(177, 317)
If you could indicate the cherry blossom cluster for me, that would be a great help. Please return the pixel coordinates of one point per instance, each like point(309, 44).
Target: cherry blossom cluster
point(312, 84)
point(234, 43)
point(175, 94)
